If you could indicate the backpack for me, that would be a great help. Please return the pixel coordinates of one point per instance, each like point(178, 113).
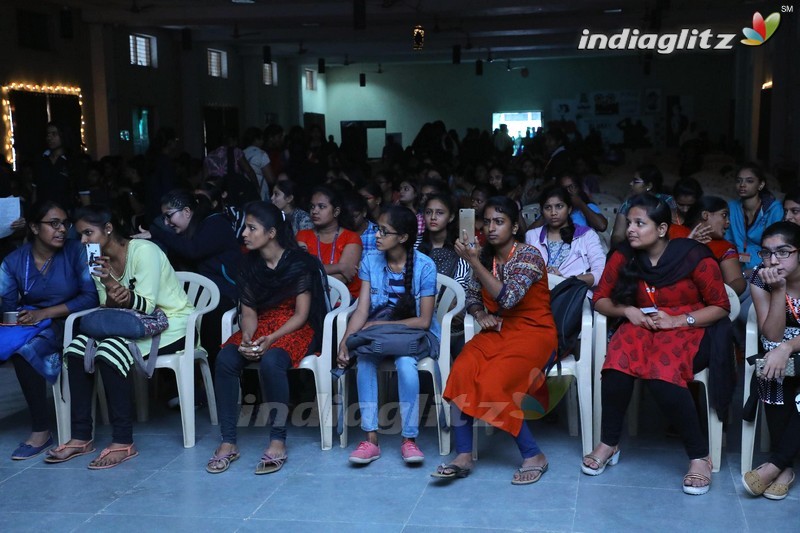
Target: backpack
point(566, 304)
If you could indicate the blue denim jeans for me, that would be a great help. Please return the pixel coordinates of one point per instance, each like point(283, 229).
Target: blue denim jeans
point(408, 392)
point(272, 369)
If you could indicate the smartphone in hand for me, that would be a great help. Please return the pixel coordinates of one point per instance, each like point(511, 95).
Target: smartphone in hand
point(92, 253)
point(466, 222)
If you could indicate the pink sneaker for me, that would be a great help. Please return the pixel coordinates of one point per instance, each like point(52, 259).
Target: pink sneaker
point(411, 452)
point(365, 453)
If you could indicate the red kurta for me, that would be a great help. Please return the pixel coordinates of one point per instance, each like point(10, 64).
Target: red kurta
point(665, 354)
point(295, 343)
point(497, 368)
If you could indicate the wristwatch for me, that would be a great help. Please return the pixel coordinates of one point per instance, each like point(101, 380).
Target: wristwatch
point(690, 320)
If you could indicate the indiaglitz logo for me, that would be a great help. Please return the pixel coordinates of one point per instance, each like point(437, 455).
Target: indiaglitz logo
point(683, 39)
point(762, 29)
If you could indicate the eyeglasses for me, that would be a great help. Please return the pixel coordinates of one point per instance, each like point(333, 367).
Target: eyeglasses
point(56, 223)
point(637, 182)
point(780, 254)
point(384, 232)
point(168, 216)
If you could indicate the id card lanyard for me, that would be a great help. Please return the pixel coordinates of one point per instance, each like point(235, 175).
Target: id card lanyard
point(333, 247)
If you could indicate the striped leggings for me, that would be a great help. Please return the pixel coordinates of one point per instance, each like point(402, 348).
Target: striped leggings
point(114, 362)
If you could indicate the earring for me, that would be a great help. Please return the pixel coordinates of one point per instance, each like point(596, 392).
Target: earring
point(108, 233)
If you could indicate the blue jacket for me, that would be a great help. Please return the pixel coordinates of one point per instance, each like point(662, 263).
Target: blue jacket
point(771, 211)
point(374, 270)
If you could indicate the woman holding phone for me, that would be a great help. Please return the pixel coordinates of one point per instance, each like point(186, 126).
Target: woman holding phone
point(673, 306)
point(46, 278)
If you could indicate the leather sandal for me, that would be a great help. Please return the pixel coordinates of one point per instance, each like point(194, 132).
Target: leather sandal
point(601, 465)
point(694, 476)
point(525, 469)
point(225, 459)
point(450, 471)
point(128, 450)
point(80, 449)
point(269, 464)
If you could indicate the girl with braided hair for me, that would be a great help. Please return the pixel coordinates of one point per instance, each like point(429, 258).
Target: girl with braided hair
point(398, 286)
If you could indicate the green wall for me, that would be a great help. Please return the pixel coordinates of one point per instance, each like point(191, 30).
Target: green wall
point(407, 96)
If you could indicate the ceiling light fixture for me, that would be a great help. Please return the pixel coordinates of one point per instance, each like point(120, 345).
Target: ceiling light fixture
point(243, 1)
point(418, 36)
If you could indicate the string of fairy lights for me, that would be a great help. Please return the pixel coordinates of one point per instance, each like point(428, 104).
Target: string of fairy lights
point(8, 111)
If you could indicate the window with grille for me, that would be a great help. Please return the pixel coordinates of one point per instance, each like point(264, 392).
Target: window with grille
point(271, 73)
point(217, 63)
point(143, 50)
point(311, 79)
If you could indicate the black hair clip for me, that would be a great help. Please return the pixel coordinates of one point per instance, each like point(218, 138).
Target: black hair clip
point(132, 284)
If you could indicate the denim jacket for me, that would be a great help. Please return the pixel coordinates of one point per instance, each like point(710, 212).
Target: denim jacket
point(374, 270)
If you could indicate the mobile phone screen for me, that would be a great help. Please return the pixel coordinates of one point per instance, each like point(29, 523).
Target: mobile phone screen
point(92, 253)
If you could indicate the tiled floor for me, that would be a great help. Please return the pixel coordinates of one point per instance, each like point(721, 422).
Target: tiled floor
point(166, 488)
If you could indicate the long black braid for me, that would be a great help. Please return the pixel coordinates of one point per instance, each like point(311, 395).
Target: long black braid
point(404, 222)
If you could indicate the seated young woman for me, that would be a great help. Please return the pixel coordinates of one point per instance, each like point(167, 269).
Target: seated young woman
point(281, 292)
point(568, 249)
point(338, 248)
point(791, 206)
point(46, 278)
point(131, 274)
point(200, 239)
point(775, 288)
point(669, 296)
point(398, 286)
point(710, 217)
point(509, 297)
point(753, 210)
point(358, 211)
point(584, 211)
point(646, 179)
point(440, 236)
point(284, 197)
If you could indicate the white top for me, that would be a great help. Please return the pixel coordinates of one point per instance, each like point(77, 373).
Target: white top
point(258, 159)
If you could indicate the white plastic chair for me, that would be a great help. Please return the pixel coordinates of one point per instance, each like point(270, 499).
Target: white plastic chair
point(319, 365)
point(61, 394)
point(606, 200)
point(530, 213)
point(450, 303)
point(749, 428)
point(204, 295)
point(580, 369)
point(714, 423)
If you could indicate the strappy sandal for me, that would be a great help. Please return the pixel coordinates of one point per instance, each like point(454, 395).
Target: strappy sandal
point(269, 464)
point(450, 471)
point(225, 459)
point(525, 469)
point(130, 453)
point(694, 476)
point(601, 465)
point(83, 449)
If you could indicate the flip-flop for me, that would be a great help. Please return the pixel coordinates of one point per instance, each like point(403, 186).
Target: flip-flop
point(130, 454)
point(525, 469)
point(226, 460)
point(269, 464)
point(85, 449)
point(450, 471)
